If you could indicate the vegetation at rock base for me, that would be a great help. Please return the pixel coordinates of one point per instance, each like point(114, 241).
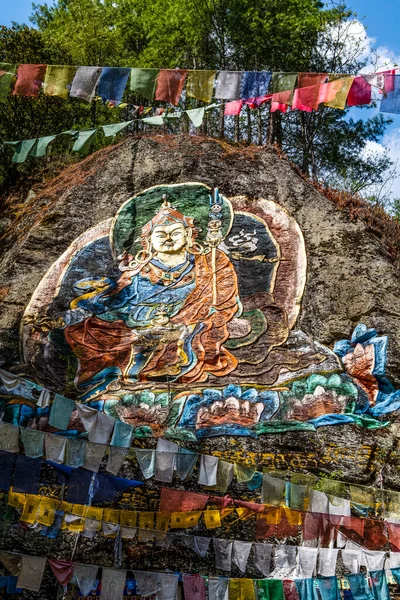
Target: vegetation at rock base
point(301, 36)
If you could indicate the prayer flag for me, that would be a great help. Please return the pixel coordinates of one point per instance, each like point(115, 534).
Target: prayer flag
point(282, 82)
point(311, 79)
point(147, 583)
point(60, 412)
point(306, 589)
point(87, 415)
point(196, 115)
point(75, 453)
point(208, 470)
point(273, 490)
point(306, 98)
point(241, 589)
point(170, 84)
point(143, 82)
point(269, 589)
point(93, 456)
point(84, 83)
point(57, 82)
point(198, 544)
point(223, 554)
point(262, 558)
point(147, 463)
point(169, 586)
point(390, 102)
point(359, 586)
point(29, 80)
point(379, 586)
point(224, 476)
point(62, 569)
point(153, 120)
point(122, 434)
point(26, 475)
point(228, 85)
point(233, 108)
point(185, 519)
point(112, 84)
point(42, 143)
point(218, 588)
point(101, 429)
point(85, 577)
point(112, 584)
point(194, 587)
point(307, 562)
point(359, 93)
point(78, 486)
point(15, 499)
point(241, 551)
point(84, 140)
point(116, 459)
point(31, 574)
point(200, 85)
point(212, 519)
point(11, 562)
point(165, 460)
point(109, 131)
point(255, 83)
point(327, 558)
point(340, 90)
point(185, 463)
point(329, 588)
point(55, 447)
point(45, 514)
point(33, 441)
point(8, 71)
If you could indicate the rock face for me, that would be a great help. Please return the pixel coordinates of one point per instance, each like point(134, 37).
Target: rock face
point(350, 279)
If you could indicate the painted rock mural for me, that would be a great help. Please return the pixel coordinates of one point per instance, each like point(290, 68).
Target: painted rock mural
point(178, 317)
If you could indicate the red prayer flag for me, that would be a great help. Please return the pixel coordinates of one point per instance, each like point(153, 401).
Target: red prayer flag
point(170, 84)
point(374, 534)
point(283, 97)
point(306, 98)
point(389, 80)
point(312, 525)
point(290, 590)
point(194, 587)
point(277, 106)
point(181, 501)
point(29, 80)
point(394, 536)
point(360, 92)
point(233, 108)
point(62, 569)
point(311, 79)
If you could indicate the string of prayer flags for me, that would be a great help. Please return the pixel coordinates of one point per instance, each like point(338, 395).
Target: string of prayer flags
point(170, 84)
point(58, 79)
point(143, 82)
point(112, 83)
point(200, 85)
point(228, 85)
point(84, 83)
point(29, 80)
point(255, 84)
point(7, 75)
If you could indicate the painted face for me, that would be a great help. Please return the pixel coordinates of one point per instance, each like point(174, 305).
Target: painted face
point(169, 239)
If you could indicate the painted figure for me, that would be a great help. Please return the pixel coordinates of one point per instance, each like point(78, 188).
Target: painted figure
point(165, 318)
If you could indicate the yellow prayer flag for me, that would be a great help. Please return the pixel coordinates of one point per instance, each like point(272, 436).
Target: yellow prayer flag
point(199, 84)
point(225, 512)
point(294, 517)
point(128, 518)
point(111, 516)
point(45, 514)
point(65, 506)
point(162, 521)
point(243, 473)
point(31, 508)
point(75, 525)
point(273, 516)
point(341, 94)
point(244, 513)
point(57, 80)
point(78, 509)
point(16, 499)
point(93, 512)
point(185, 519)
point(241, 589)
point(146, 520)
point(212, 518)
point(362, 495)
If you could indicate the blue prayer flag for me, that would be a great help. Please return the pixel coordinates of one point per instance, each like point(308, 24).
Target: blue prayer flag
point(112, 83)
point(255, 84)
point(391, 100)
point(27, 475)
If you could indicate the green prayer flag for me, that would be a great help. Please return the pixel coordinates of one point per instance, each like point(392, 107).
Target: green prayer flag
point(40, 148)
point(196, 115)
point(6, 79)
point(143, 82)
point(114, 128)
point(153, 120)
point(22, 149)
point(270, 589)
point(83, 141)
point(282, 82)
